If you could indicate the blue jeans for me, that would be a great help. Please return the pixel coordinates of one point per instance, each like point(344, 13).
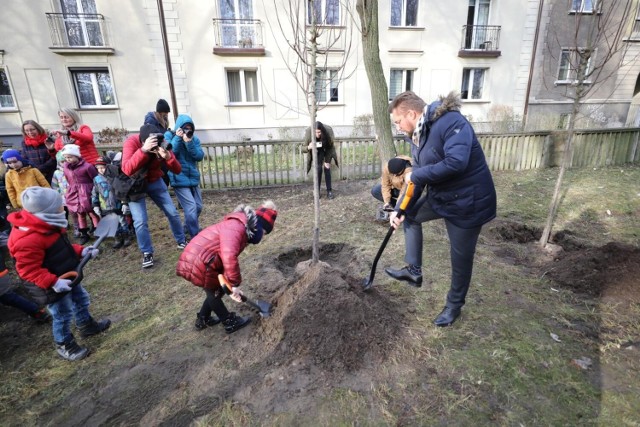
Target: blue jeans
point(190, 199)
point(158, 192)
point(14, 300)
point(462, 248)
point(74, 304)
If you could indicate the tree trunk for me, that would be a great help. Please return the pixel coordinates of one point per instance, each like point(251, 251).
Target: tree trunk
point(368, 13)
point(312, 106)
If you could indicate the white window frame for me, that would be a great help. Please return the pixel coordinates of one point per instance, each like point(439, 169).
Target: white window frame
point(243, 85)
point(82, 21)
point(329, 81)
point(403, 13)
point(323, 13)
point(570, 76)
point(635, 32)
point(73, 71)
point(595, 4)
point(11, 92)
point(241, 31)
point(472, 75)
point(405, 85)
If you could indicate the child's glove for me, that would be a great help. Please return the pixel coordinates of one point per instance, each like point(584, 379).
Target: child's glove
point(62, 285)
point(90, 249)
point(96, 209)
point(236, 294)
point(125, 209)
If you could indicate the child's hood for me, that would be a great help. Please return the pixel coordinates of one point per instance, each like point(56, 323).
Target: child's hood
point(27, 223)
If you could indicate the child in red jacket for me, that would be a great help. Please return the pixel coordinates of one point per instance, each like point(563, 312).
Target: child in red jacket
point(39, 244)
point(214, 251)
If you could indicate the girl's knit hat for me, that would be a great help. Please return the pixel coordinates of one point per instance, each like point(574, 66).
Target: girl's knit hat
point(267, 215)
point(71, 150)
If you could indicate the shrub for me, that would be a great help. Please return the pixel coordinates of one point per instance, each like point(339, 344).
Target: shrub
point(112, 135)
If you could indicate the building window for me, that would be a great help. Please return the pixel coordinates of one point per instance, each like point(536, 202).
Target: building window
point(584, 6)
point(82, 23)
point(327, 12)
point(327, 86)
point(237, 26)
point(404, 13)
point(572, 61)
point(472, 83)
point(93, 87)
point(400, 81)
point(635, 34)
point(6, 97)
point(242, 86)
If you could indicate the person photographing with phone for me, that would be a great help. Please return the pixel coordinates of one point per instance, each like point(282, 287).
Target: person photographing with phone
point(186, 184)
point(145, 153)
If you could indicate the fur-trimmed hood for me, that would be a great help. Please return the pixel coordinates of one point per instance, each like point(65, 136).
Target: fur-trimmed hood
point(444, 104)
point(252, 219)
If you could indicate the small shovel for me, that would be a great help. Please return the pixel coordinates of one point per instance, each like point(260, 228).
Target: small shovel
point(107, 227)
point(263, 307)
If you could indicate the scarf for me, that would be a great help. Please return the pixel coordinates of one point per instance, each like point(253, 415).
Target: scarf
point(35, 142)
point(55, 219)
point(421, 127)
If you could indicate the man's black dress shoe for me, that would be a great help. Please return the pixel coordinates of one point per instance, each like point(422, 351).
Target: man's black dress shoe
point(404, 274)
point(447, 316)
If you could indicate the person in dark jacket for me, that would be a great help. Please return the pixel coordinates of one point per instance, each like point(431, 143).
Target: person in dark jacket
point(215, 251)
point(186, 184)
point(449, 162)
point(38, 148)
point(42, 252)
point(326, 152)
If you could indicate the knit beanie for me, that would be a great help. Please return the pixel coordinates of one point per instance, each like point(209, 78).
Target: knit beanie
point(148, 129)
point(71, 150)
point(39, 200)
point(397, 165)
point(12, 154)
point(267, 216)
point(162, 106)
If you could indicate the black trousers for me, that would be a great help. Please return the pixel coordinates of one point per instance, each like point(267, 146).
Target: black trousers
point(213, 302)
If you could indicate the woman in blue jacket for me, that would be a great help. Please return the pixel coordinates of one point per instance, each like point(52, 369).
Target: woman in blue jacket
point(449, 162)
point(186, 184)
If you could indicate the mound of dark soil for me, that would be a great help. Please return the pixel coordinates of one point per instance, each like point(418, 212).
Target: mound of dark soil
point(326, 318)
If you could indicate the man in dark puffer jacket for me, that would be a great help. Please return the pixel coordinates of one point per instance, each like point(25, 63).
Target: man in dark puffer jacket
point(447, 160)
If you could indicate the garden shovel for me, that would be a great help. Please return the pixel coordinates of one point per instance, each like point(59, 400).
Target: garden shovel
point(107, 227)
point(367, 283)
point(263, 307)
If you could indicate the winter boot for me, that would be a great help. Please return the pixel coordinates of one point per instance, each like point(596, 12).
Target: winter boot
point(119, 241)
point(203, 321)
point(84, 236)
point(41, 316)
point(70, 350)
point(127, 240)
point(92, 327)
point(234, 322)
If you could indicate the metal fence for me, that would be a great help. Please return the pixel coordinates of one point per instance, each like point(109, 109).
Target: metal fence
point(269, 163)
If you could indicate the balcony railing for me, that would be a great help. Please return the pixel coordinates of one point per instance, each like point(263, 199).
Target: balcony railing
point(78, 30)
point(480, 39)
point(238, 36)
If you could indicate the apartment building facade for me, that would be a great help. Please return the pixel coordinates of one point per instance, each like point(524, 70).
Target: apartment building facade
point(230, 62)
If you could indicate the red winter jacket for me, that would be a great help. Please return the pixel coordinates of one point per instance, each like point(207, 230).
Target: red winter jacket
point(28, 242)
point(84, 139)
point(214, 251)
point(134, 159)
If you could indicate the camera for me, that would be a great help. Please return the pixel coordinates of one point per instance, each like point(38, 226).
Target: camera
point(188, 132)
point(161, 141)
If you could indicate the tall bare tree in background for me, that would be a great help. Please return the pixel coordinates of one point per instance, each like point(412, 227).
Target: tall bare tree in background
point(368, 13)
point(589, 51)
point(318, 47)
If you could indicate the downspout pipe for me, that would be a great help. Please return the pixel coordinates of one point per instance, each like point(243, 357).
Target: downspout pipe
point(531, 65)
point(167, 59)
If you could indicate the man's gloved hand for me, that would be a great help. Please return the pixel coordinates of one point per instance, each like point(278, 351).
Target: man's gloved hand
point(62, 285)
point(90, 249)
point(236, 294)
point(387, 207)
point(125, 209)
point(96, 209)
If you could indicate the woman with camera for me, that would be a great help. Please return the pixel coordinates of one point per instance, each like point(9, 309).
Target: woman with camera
point(37, 148)
point(74, 132)
point(186, 184)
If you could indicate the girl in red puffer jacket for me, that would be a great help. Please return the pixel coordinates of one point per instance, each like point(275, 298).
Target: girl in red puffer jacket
point(214, 251)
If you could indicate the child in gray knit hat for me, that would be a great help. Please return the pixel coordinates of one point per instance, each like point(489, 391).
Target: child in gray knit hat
point(42, 252)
